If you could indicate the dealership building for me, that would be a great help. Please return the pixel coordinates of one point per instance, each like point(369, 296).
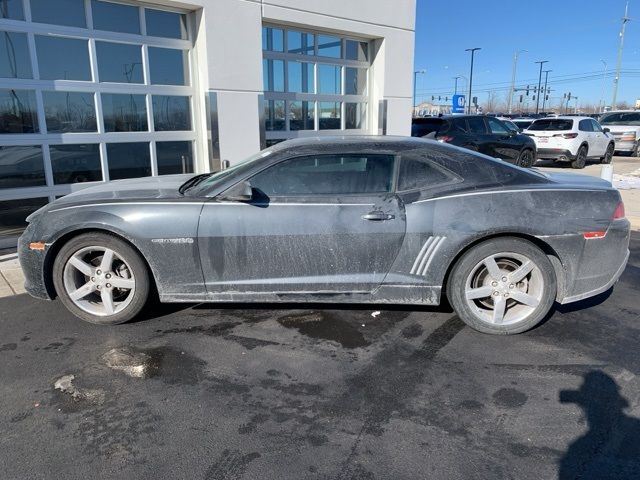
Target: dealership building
point(94, 90)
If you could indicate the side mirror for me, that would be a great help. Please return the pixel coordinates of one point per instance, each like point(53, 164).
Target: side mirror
point(240, 192)
point(606, 130)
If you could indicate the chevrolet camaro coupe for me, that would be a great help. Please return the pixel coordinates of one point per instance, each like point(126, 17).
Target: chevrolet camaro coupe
point(378, 220)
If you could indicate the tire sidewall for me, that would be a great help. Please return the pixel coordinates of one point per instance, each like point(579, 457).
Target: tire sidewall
point(465, 265)
point(522, 162)
point(128, 253)
point(581, 158)
point(608, 155)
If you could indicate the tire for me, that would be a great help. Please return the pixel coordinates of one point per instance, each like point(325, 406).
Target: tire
point(636, 151)
point(525, 302)
point(581, 158)
point(109, 288)
point(526, 158)
point(608, 156)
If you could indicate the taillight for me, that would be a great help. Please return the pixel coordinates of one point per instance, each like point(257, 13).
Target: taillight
point(566, 135)
point(597, 234)
point(619, 211)
point(445, 139)
point(628, 137)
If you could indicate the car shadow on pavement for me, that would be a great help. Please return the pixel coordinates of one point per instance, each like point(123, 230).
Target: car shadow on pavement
point(586, 303)
point(610, 449)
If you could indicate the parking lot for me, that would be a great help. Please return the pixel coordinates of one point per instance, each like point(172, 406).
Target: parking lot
point(327, 392)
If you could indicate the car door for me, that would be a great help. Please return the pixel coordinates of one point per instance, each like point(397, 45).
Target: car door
point(600, 137)
point(316, 224)
point(586, 131)
point(478, 138)
point(504, 144)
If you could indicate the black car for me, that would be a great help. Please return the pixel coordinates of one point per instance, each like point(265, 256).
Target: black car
point(479, 133)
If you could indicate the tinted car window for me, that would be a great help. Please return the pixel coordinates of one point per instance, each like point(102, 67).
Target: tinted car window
point(552, 124)
point(459, 125)
point(327, 174)
point(622, 118)
point(424, 126)
point(476, 125)
point(523, 124)
point(418, 172)
point(497, 127)
point(596, 126)
point(585, 126)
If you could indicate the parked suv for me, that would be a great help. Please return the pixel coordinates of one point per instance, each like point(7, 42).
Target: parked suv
point(625, 128)
point(482, 134)
point(572, 139)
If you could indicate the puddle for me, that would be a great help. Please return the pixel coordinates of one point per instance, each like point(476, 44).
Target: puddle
point(324, 326)
point(66, 384)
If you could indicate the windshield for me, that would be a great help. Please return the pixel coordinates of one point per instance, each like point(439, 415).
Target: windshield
point(217, 177)
point(523, 123)
point(552, 124)
point(622, 118)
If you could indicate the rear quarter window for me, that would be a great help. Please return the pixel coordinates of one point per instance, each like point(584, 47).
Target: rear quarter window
point(416, 172)
point(424, 126)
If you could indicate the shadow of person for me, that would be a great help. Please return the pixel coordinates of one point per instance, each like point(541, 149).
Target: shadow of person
point(611, 447)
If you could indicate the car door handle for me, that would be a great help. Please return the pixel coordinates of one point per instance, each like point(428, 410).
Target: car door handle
point(378, 216)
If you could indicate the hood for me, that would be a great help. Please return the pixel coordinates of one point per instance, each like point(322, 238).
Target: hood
point(577, 179)
point(165, 187)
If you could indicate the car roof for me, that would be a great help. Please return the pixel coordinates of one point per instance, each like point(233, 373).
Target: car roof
point(565, 117)
point(362, 141)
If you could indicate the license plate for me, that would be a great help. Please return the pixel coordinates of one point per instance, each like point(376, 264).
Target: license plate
point(543, 140)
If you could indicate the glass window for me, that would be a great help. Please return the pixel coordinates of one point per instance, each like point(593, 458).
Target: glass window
point(274, 115)
point(327, 174)
point(119, 62)
point(273, 75)
point(329, 46)
point(301, 115)
point(69, 112)
point(355, 50)
point(18, 111)
point(596, 126)
point(329, 115)
point(171, 113)
point(355, 115)
point(585, 126)
point(621, 118)
point(416, 172)
point(272, 39)
point(355, 81)
point(15, 61)
point(174, 157)
point(12, 217)
point(165, 24)
point(124, 113)
point(21, 166)
point(75, 163)
point(63, 58)
point(476, 125)
point(11, 9)
point(168, 66)
point(421, 127)
point(497, 127)
point(128, 160)
point(115, 17)
point(300, 42)
point(61, 12)
point(329, 81)
point(551, 124)
point(300, 75)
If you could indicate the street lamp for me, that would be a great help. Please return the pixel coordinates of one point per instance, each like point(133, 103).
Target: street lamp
point(544, 98)
point(415, 78)
point(541, 62)
point(473, 51)
point(455, 88)
point(513, 77)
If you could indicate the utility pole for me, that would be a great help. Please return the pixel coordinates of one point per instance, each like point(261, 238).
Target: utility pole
point(541, 62)
point(604, 76)
point(544, 93)
point(513, 77)
point(616, 80)
point(473, 51)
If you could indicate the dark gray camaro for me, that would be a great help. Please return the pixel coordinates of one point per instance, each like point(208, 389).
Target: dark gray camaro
point(386, 220)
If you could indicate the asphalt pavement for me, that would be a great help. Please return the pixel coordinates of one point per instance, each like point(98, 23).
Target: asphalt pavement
point(308, 392)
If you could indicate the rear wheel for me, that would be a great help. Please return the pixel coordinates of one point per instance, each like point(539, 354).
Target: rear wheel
point(526, 158)
point(502, 286)
point(581, 158)
point(101, 279)
point(636, 150)
point(608, 156)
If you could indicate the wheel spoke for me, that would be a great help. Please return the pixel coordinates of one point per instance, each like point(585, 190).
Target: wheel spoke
point(522, 271)
point(480, 292)
point(81, 266)
point(499, 307)
point(119, 282)
point(493, 268)
point(82, 292)
point(107, 301)
point(525, 299)
point(107, 260)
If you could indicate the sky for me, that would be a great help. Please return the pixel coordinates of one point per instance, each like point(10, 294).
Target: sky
point(573, 35)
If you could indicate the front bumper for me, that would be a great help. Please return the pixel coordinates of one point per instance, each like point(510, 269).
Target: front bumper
point(32, 263)
point(625, 146)
point(560, 154)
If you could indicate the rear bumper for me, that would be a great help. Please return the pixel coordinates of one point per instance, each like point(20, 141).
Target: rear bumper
point(555, 154)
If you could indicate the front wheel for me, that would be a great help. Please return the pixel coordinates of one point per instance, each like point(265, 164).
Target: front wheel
point(101, 279)
point(608, 156)
point(502, 286)
point(526, 159)
point(581, 158)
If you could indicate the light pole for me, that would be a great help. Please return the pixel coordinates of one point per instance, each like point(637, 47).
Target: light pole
point(513, 77)
point(604, 77)
point(415, 80)
point(473, 51)
point(544, 98)
point(455, 88)
point(625, 19)
point(541, 62)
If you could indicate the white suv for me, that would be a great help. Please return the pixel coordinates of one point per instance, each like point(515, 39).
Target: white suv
point(572, 139)
point(625, 128)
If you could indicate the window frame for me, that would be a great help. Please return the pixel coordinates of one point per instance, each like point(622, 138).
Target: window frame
point(453, 177)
